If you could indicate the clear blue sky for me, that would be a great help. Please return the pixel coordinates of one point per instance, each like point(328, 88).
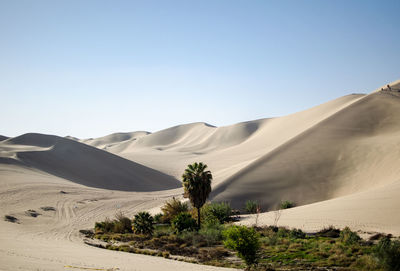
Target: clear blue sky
point(90, 68)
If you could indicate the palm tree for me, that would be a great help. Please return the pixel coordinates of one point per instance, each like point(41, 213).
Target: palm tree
point(197, 185)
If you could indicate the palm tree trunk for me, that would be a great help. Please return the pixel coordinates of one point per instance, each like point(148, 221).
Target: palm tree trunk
point(198, 218)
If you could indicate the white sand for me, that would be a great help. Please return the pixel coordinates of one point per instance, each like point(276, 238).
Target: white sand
point(338, 160)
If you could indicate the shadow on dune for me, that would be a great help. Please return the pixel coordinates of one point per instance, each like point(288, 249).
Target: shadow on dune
point(89, 166)
point(349, 152)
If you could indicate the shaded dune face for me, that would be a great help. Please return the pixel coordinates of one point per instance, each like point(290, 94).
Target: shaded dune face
point(354, 150)
point(87, 165)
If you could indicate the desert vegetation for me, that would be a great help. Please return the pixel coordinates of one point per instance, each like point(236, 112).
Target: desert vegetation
point(205, 233)
point(253, 248)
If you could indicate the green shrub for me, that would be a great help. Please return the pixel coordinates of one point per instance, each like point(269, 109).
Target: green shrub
point(172, 208)
point(221, 211)
point(366, 263)
point(286, 204)
point(105, 226)
point(11, 218)
point(245, 241)
point(122, 224)
point(251, 206)
point(283, 232)
point(349, 237)
point(162, 230)
point(330, 232)
point(183, 222)
point(297, 234)
point(211, 233)
point(388, 254)
point(143, 223)
point(158, 218)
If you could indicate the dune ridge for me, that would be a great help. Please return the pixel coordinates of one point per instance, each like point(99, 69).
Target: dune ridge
point(337, 161)
point(225, 149)
point(334, 158)
point(83, 164)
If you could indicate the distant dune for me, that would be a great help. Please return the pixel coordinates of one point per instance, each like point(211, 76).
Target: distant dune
point(3, 138)
point(83, 164)
point(227, 149)
point(109, 140)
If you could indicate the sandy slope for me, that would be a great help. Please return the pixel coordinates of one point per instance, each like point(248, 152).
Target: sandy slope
point(375, 210)
point(339, 160)
point(354, 150)
point(226, 150)
point(82, 164)
point(51, 241)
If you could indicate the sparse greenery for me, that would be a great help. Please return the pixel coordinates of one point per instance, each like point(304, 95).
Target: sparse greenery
point(245, 241)
point(11, 218)
point(388, 254)
point(183, 222)
point(211, 232)
point(121, 224)
point(158, 218)
point(349, 237)
point(251, 206)
point(48, 208)
point(172, 208)
point(261, 248)
point(330, 231)
point(32, 213)
point(143, 223)
point(220, 211)
point(196, 182)
point(286, 204)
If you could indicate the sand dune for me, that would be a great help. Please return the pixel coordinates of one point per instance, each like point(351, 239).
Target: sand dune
point(3, 137)
point(226, 150)
point(83, 164)
point(52, 241)
point(351, 151)
point(337, 160)
point(108, 141)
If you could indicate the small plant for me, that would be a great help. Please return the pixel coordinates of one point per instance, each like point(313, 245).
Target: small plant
point(221, 211)
point(245, 241)
point(297, 234)
point(32, 213)
point(330, 231)
point(122, 224)
point(277, 216)
point(143, 223)
point(48, 208)
point(172, 208)
point(349, 237)
point(183, 222)
point(211, 232)
point(103, 227)
point(286, 204)
point(388, 254)
point(158, 218)
point(251, 206)
point(10, 218)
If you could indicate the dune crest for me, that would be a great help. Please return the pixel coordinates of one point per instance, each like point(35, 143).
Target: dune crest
point(83, 164)
point(353, 150)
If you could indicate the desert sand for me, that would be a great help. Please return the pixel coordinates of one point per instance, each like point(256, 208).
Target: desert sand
point(337, 161)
